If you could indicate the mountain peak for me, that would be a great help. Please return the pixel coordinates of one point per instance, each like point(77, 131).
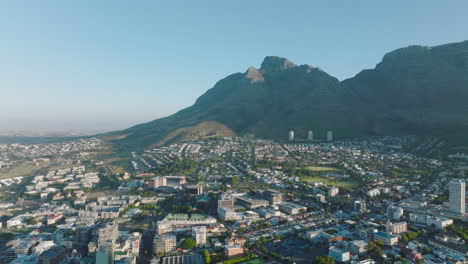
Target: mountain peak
point(274, 63)
point(254, 74)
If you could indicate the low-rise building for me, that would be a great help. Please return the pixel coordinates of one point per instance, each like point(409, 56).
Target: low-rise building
point(339, 254)
point(358, 247)
point(234, 250)
point(386, 238)
point(291, 208)
point(396, 228)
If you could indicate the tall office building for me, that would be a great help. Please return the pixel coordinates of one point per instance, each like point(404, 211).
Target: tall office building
point(457, 196)
point(291, 135)
point(164, 243)
point(329, 136)
point(105, 254)
point(273, 196)
point(199, 234)
point(109, 233)
point(310, 136)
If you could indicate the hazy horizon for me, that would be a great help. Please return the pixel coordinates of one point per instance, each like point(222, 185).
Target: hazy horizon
point(85, 67)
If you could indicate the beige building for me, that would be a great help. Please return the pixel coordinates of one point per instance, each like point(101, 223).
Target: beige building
point(397, 228)
point(164, 243)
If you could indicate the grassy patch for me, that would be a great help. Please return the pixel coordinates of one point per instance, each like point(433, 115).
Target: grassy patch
point(26, 168)
point(253, 261)
point(347, 184)
point(317, 168)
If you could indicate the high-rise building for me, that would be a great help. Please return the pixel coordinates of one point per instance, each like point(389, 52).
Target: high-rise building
point(55, 254)
point(226, 201)
point(109, 233)
point(105, 254)
point(164, 243)
point(291, 135)
point(199, 234)
point(457, 196)
point(273, 196)
point(329, 136)
point(310, 136)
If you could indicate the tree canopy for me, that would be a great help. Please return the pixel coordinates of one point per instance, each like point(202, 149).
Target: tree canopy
point(188, 243)
point(323, 260)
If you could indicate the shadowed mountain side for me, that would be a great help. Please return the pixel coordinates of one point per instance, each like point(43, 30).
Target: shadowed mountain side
point(414, 90)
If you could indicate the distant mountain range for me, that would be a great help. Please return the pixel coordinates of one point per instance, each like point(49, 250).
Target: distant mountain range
point(415, 90)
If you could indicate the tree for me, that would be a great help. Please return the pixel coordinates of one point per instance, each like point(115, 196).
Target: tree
point(234, 180)
point(188, 243)
point(206, 256)
point(323, 260)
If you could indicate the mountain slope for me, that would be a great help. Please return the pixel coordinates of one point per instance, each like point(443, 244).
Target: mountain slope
point(420, 90)
point(414, 90)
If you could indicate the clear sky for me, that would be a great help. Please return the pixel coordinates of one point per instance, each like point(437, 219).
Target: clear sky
point(108, 64)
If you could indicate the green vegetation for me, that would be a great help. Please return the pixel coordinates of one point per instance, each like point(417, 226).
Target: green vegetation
point(323, 260)
point(410, 236)
point(206, 256)
point(5, 237)
point(107, 180)
point(461, 231)
point(25, 168)
point(126, 209)
point(318, 168)
point(375, 250)
point(253, 261)
point(347, 184)
point(239, 259)
point(32, 221)
point(441, 198)
point(188, 243)
point(182, 166)
point(148, 207)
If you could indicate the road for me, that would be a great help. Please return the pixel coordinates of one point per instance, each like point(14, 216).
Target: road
point(146, 247)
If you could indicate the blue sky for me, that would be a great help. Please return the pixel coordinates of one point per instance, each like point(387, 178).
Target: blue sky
point(109, 64)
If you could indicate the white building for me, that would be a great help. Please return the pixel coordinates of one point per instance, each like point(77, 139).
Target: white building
point(291, 135)
point(199, 234)
point(387, 239)
point(438, 222)
point(394, 212)
point(329, 136)
point(338, 254)
point(333, 191)
point(291, 208)
point(373, 192)
point(310, 136)
point(457, 196)
point(228, 214)
point(360, 206)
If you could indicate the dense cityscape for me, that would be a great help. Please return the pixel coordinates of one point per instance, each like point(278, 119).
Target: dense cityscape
point(235, 200)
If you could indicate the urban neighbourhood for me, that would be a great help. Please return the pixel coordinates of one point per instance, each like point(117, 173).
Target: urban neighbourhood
point(235, 200)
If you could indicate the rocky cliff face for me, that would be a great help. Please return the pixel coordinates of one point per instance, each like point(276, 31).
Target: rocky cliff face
point(414, 90)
